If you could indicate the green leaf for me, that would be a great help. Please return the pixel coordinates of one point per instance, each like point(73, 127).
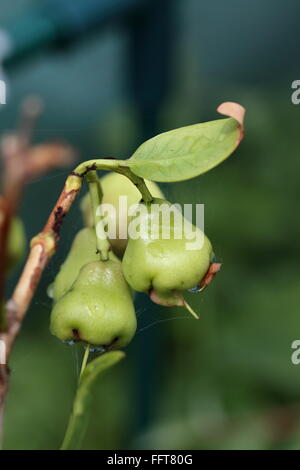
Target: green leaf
point(82, 404)
point(189, 151)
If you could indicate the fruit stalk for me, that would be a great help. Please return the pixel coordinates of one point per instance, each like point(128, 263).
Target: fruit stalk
point(96, 195)
point(119, 166)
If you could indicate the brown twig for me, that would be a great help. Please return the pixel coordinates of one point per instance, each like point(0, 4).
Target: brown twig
point(5, 218)
point(42, 248)
point(22, 163)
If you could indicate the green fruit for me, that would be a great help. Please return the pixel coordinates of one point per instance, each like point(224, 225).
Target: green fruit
point(163, 267)
point(83, 251)
point(98, 309)
point(16, 244)
point(115, 185)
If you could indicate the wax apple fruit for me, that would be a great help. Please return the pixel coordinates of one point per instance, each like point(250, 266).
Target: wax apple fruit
point(83, 250)
point(163, 267)
point(98, 309)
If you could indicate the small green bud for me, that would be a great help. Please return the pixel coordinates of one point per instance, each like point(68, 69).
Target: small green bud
point(16, 244)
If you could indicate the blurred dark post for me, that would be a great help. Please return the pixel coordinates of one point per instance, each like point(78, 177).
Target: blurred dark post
point(150, 43)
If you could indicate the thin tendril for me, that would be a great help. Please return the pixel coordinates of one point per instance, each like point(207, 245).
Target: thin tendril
point(84, 361)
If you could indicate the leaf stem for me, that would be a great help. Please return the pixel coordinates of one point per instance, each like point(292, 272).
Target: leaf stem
point(139, 183)
point(119, 166)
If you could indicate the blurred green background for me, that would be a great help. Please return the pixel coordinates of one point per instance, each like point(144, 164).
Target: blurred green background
point(227, 381)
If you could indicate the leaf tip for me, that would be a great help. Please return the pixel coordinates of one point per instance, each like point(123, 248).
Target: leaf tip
point(235, 111)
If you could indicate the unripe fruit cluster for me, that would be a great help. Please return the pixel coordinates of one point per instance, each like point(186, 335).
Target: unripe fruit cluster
point(93, 298)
